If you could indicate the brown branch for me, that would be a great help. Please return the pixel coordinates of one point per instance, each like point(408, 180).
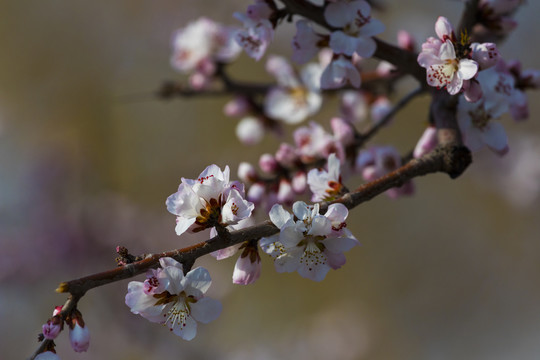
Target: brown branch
point(452, 160)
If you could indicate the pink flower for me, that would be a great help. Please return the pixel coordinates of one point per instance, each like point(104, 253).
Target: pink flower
point(445, 70)
point(313, 244)
point(181, 303)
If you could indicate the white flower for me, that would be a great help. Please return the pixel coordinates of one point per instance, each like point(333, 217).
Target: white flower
point(296, 97)
point(357, 28)
point(201, 41)
point(326, 185)
point(181, 303)
point(208, 201)
point(308, 242)
point(340, 72)
point(256, 35)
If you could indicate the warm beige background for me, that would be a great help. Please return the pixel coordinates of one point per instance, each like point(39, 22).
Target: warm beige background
point(452, 273)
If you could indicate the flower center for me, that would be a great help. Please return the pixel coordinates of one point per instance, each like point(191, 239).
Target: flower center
point(313, 255)
point(479, 117)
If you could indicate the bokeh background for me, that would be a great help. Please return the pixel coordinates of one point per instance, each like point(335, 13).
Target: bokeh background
point(88, 157)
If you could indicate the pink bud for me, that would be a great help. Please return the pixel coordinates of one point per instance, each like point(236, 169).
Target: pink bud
point(299, 182)
point(52, 328)
point(285, 193)
point(256, 193)
point(428, 141)
point(79, 337)
point(444, 29)
point(268, 163)
point(247, 268)
point(250, 131)
point(286, 155)
point(405, 40)
point(198, 81)
point(247, 173)
point(236, 107)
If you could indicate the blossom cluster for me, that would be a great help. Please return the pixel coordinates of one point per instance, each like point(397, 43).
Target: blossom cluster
point(490, 85)
point(313, 238)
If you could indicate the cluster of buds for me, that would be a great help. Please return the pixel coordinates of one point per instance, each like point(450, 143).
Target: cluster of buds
point(79, 336)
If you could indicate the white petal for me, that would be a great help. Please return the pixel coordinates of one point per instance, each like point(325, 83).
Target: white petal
point(301, 210)
point(468, 68)
point(315, 272)
point(289, 261)
point(279, 216)
point(320, 226)
point(176, 278)
point(342, 43)
point(187, 332)
point(291, 235)
point(182, 224)
point(197, 282)
point(337, 213)
point(447, 51)
point(206, 310)
point(495, 137)
point(338, 14)
point(365, 46)
point(339, 244)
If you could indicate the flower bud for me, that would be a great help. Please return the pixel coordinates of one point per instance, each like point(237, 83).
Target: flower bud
point(236, 107)
point(250, 131)
point(256, 193)
point(52, 328)
point(299, 182)
point(285, 193)
point(248, 267)
point(286, 155)
point(79, 336)
point(247, 172)
point(268, 163)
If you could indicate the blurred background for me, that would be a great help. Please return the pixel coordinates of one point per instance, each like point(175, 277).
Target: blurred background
point(88, 157)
